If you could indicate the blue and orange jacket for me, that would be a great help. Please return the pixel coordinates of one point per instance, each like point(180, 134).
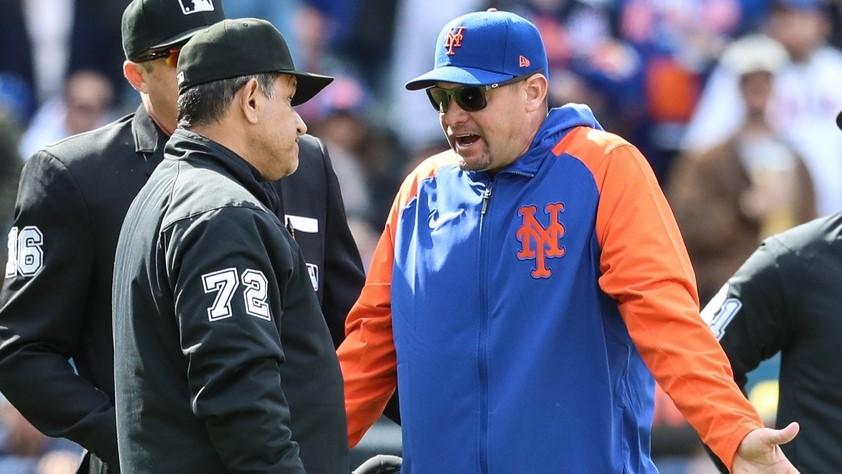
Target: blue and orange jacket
point(524, 314)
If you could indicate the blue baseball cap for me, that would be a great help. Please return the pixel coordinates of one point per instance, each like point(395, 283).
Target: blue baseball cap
point(485, 48)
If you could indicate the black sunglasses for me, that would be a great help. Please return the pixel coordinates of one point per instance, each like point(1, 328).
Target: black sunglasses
point(469, 98)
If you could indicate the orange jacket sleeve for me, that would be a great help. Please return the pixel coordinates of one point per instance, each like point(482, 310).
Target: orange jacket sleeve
point(367, 356)
point(645, 267)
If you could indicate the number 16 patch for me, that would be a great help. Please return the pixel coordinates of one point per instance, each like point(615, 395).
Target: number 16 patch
point(26, 258)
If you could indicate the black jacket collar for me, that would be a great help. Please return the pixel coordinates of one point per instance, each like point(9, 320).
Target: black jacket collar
point(187, 145)
point(148, 138)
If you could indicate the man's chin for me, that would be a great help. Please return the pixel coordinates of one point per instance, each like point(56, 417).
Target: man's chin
point(471, 163)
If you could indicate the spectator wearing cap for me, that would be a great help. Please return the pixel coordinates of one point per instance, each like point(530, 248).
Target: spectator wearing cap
point(728, 198)
point(531, 286)
point(223, 362)
point(805, 98)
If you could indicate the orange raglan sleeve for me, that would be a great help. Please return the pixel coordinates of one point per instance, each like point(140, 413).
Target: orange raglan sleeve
point(367, 355)
point(645, 268)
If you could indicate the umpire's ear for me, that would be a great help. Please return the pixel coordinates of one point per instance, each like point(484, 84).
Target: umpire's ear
point(133, 72)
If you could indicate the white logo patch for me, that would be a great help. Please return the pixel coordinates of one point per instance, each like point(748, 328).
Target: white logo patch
point(313, 270)
point(303, 224)
point(436, 220)
point(26, 258)
point(719, 312)
point(195, 6)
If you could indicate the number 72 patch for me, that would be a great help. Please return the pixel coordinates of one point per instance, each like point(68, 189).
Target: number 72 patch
point(225, 283)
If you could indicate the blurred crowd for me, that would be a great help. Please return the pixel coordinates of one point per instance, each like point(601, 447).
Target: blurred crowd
point(732, 101)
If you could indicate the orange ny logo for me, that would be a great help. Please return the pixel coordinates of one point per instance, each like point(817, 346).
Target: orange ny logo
point(453, 40)
point(545, 239)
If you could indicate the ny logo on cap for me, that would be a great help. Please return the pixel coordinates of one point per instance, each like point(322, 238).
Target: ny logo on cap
point(453, 40)
point(195, 6)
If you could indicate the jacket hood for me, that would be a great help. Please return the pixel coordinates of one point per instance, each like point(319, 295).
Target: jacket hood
point(559, 122)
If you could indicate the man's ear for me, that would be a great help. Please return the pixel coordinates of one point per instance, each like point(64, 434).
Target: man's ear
point(536, 89)
point(133, 72)
point(249, 100)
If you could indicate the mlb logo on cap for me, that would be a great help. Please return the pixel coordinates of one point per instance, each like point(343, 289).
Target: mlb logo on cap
point(485, 48)
point(195, 6)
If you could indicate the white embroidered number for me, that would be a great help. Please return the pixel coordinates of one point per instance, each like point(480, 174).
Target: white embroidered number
point(255, 294)
point(12, 261)
point(719, 312)
point(225, 282)
point(25, 254)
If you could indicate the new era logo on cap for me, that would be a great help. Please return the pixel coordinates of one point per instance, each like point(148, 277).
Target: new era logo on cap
point(523, 61)
point(195, 6)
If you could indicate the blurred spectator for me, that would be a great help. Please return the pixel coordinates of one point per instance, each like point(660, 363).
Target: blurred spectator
point(365, 159)
point(87, 102)
point(24, 450)
point(42, 41)
point(368, 44)
point(677, 42)
point(281, 13)
point(343, 128)
point(805, 99)
point(10, 166)
point(417, 25)
point(727, 198)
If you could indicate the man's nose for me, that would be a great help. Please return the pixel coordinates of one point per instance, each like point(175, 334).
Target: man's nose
point(301, 127)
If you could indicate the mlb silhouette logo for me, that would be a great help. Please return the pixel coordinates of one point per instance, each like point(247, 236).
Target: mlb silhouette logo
point(195, 6)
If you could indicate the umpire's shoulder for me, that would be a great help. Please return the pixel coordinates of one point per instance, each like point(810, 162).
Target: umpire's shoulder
point(310, 147)
point(100, 143)
point(818, 238)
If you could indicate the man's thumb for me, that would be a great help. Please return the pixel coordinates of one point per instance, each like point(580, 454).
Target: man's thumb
point(785, 435)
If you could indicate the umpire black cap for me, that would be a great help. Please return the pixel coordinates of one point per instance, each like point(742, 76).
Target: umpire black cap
point(150, 25)
point(242, 47)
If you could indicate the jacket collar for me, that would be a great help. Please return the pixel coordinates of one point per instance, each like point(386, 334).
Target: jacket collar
point(148, 138)
point(190, 146)
point(557, 124)
point(530, 161)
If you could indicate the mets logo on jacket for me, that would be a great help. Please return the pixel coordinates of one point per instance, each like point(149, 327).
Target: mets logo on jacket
point(538, 242)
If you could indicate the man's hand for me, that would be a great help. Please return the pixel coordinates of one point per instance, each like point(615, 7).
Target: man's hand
point(760, 451)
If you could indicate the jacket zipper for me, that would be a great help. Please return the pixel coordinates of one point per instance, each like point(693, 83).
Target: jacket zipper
point(482, 356)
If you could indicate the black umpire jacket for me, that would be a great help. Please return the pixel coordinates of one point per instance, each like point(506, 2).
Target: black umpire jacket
point(55, 303)
point(223, 361)
point(787, 298)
